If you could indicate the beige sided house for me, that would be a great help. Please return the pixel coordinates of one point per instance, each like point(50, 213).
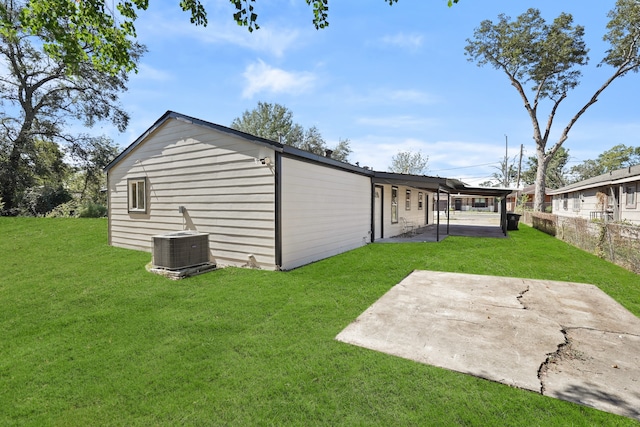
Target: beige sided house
point(257, 199)
point(612, 196)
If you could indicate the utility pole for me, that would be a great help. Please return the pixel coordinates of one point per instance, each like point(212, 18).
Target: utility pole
point(520, 165)
point(505, 178)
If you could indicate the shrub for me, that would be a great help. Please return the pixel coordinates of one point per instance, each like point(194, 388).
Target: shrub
point(38, 201)
point(65, 210)
point(92, 210)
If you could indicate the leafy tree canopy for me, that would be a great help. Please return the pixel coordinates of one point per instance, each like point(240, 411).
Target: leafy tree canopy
point(275, 122)
point(617, 157)
point(556, 174)
point(103, 32)
point(40, 92)
point(546, 57)
point(409, 162)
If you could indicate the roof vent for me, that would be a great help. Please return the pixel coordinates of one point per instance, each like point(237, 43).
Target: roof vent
point(328, 153)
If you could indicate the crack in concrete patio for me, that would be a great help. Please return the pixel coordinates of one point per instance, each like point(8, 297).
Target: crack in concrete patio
point(564, 340)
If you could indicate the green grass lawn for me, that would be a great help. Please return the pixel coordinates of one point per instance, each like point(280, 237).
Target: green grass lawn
point(88, 337)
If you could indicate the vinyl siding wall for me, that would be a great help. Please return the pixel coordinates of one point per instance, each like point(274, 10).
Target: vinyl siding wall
point(631, 212)
point(588, 202)
point(325, 212)
point(418, 217)
point(224, 189)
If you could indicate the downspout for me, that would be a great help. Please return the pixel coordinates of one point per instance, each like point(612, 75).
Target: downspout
point(373, 211)
point(278, 210)
point(438, 215)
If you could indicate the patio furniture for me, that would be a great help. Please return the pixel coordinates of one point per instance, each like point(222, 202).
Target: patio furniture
point(408, 228)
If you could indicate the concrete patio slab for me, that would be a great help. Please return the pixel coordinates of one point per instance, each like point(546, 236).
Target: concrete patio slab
point(468, 224)
point(566, 340)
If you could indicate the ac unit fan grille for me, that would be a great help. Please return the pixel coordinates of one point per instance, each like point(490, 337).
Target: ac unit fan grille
point(179, 250)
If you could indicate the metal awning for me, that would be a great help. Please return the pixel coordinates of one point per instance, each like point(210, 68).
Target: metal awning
point(448, 186)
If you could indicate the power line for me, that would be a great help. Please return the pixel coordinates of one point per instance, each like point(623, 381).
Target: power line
point(465, 167)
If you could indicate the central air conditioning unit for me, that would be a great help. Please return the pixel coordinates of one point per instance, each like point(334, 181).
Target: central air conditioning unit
point(181, 249)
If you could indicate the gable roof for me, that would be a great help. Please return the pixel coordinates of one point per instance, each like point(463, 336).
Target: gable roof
point(425, 182)
point(277, 146)
point(631, 173)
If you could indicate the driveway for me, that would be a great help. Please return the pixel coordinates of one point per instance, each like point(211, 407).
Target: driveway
point(570, 341)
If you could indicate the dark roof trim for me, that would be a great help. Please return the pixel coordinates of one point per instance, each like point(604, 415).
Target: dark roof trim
point(482, 191)
point(610, 178)
point(173, 115)
point(431, 183)
point(281, 148)
point(462, 188)
point(436, 183)
point(299, 154)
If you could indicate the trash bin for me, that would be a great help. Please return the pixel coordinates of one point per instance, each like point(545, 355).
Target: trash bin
point(512, 220)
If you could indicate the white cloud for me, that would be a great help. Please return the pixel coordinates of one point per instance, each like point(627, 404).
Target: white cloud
point(403, 41)
point(264, 40)
point(261, 77)
point(147, 72)
point(164, 25)
point(470, 161)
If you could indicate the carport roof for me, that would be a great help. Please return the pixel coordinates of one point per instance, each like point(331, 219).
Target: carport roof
point(436, 183)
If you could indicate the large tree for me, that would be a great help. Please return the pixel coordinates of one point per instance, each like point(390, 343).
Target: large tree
point(270, 121)
point(90, 155)
point(546, 57)
point(275, 122)
point(556, 173)
point(41, 93)
point(409, 162)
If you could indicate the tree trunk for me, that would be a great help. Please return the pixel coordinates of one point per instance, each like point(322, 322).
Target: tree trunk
point(541, 182)
point(10, 176)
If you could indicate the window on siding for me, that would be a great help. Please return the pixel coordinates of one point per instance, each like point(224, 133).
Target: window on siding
point(419, 201)
point(394, 205)
point(137, 195)
point(630, 196)
point(565, 201)
point(576, 201)
point(407, 205)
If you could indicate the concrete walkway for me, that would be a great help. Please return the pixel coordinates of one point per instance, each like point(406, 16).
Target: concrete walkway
point(570, 341)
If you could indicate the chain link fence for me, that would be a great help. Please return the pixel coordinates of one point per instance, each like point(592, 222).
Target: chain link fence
point(618, 243)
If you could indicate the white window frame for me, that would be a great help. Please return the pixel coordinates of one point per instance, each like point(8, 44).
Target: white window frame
point(576, 202)
point(407, 204)
point(394, 205)
point(420, 200)
point(137, 195)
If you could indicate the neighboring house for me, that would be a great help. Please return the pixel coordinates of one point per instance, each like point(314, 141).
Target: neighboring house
point(461, 202)
point(527, 195)
point(280, 205)
point(612, 196)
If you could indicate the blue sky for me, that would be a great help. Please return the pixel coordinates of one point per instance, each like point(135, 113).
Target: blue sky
point(388, 78)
